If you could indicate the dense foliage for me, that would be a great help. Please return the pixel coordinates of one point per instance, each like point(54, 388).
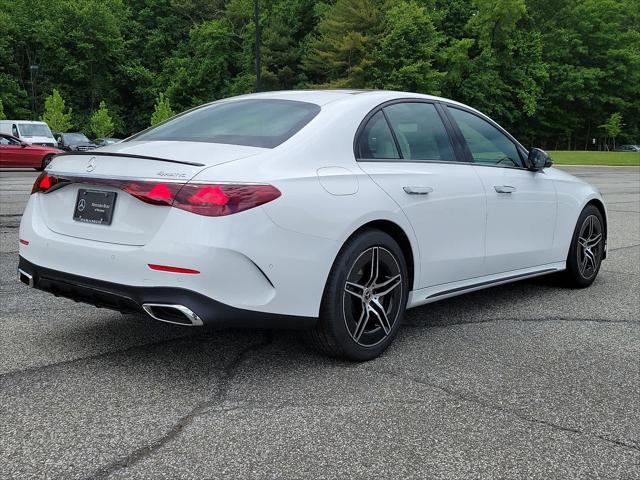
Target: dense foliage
point(552, 71)
point(57, 116)
point(101, 123)
point(161, 110)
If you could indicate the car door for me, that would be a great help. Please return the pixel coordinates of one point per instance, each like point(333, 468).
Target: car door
point(521, 204)
point(12, 152)
point(4, 151)
point(406, 149)
point(31, 156)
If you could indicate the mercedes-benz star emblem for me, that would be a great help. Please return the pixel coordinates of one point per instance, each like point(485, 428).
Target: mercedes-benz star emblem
point(81, 205)
point(91, 166)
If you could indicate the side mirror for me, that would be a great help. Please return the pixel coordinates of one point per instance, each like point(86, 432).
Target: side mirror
point(538, 159)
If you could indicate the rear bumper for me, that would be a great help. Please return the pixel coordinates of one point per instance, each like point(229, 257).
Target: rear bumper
point(244, 261)
point(130, 299)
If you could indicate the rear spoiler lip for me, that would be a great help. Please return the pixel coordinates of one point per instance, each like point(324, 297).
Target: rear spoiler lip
point(130, 155)
point(77, 177)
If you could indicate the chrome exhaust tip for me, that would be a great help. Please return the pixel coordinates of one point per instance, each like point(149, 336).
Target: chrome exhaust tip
point(25, 278)
point(175, 314)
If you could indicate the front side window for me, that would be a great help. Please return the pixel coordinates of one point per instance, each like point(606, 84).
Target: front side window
point(258, 123)
point(420, 132)
point(376, 140)
point(488, 145)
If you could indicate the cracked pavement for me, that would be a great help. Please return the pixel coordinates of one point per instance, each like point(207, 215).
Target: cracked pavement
point(523, 380)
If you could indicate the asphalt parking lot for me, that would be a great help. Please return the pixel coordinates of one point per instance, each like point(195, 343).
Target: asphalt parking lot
point(526, 380)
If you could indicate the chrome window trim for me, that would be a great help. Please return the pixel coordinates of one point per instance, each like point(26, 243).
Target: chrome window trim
point(380, 108)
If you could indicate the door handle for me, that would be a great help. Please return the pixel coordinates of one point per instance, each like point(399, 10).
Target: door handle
point(505, 188)
point(417, 190)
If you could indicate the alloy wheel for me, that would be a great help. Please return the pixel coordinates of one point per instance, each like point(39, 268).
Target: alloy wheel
point(589, 249)
point(372, 296)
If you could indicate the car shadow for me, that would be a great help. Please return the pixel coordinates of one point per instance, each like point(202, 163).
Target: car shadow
point(121, 333)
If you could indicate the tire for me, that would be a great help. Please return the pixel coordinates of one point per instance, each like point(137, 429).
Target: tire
point(361, 310)
point(587, 249)
point(45, 161)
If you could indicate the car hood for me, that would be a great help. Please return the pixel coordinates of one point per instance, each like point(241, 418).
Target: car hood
point(46, 149)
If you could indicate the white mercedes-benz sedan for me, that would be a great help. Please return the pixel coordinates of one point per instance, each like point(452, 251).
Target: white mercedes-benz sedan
point(327, 210)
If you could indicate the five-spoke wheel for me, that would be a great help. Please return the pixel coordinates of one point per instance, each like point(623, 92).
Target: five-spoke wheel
point(589, 253)
point(372, 296)
point(587, 248)
point(364, 299)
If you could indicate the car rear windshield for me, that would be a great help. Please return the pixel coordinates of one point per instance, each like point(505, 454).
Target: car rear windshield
point(34, 130)
point(256, 123)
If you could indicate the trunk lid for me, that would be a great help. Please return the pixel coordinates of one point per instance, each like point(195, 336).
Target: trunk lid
point(133, 222)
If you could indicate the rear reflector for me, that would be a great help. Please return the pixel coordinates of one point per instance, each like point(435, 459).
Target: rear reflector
point(24, 242)
point(211, 200)
point(165, 268)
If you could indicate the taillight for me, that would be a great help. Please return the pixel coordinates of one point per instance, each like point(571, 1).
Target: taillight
point(44, 183)
point(223, 199)
point(211, 200)
point(152, 192)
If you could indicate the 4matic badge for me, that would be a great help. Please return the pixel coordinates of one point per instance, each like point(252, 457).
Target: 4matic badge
point(162, 173)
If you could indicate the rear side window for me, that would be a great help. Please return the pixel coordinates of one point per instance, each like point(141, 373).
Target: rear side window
point(376, 140)
point(488, 145)
point(258, 123)
point(420, 132)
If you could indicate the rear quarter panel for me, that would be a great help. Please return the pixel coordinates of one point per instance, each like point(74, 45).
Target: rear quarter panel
point(307, 206)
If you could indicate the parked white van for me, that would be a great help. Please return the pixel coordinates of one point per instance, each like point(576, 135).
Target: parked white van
point(35, 133)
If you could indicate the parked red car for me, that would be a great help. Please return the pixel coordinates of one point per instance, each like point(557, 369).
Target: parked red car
point(16, 153)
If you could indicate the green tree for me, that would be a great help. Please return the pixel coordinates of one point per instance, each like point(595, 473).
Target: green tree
point(550, 71)
point(613, 127)
point(592, 49)
point(54, 113)
point(101, 123)
point(341, 52)
point(161, 110)
point(201, 69)
point(404, 56)
point(284, 29)
point(2, 115)
point(497, 66)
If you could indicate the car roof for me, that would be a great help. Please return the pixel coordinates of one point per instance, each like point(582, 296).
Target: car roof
point(324, 97)
point(319, 97)
point(26, 121)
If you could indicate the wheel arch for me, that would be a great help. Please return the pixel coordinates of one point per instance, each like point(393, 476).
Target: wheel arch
point(603, 211)
point(43, 160)
point(396, 232)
